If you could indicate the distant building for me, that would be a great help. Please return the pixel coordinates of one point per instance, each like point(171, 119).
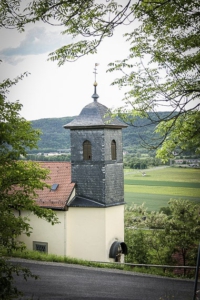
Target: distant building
point(189, 161)
point(87, 194)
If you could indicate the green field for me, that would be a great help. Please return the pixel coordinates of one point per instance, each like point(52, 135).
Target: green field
point(161, 184)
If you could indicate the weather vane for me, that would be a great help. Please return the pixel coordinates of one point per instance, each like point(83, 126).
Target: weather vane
point(95, 73)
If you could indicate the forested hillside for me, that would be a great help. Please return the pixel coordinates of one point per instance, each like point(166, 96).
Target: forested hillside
point(54, 137)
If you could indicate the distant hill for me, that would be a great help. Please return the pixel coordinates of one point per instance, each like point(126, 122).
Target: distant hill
point(54, 137)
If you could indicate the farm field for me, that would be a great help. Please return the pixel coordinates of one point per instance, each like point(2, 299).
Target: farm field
point(161, 184)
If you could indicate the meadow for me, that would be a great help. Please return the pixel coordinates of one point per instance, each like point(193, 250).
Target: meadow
point(161, 184)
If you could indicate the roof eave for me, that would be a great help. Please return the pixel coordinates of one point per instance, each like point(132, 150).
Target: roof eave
point(95, 126)
point(55, 207)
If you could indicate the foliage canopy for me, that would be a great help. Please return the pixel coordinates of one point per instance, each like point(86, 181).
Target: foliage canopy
point(165, 235)
point(161, 70)
point(19, 182)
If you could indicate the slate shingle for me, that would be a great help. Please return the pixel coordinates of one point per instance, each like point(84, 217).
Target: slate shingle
point(95, 115)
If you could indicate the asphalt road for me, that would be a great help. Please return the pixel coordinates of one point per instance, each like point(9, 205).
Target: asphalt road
point(62, 281)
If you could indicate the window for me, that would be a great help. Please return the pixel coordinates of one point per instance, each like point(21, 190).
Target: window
point(113, 150)
point(87, 150)
point(40, 246)
point(54, 186)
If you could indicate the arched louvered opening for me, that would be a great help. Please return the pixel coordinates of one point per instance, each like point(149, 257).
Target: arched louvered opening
point(113, 150)
point(87, 150)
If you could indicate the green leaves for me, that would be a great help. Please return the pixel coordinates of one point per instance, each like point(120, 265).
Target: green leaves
point(165, 59)
point(161, 71)
point(73, 51)
point(19, 182)
point(88, 22)
point(7, 290)
point(164, 235)
point(182, 133)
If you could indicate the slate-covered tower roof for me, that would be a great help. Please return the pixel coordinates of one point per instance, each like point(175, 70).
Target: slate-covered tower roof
point(98, 176)
point(95, 115)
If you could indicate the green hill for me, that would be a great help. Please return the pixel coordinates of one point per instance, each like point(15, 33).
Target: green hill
point(54, 137)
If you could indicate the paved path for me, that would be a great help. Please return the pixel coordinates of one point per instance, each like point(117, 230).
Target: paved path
point(62, 281)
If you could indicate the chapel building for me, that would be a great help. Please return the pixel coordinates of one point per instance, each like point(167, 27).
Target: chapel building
point(87, 194)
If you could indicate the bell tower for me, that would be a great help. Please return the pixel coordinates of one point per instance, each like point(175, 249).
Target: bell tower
point(96, 213)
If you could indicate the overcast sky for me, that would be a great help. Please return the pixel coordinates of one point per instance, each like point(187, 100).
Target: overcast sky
point(51, 91)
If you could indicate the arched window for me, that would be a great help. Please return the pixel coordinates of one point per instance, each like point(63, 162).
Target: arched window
point(113, 150)
point(87, 150)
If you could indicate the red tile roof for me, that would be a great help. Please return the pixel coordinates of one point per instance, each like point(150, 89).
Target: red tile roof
point(60, 173)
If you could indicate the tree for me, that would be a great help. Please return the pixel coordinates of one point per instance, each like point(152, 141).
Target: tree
point(164, 72)
point(162, 69)
point(144, 229)
point(176, 233)
point(138, 251)
point(183, 229)
point(19, 182)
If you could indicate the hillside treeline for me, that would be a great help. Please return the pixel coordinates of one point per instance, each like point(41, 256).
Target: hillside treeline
point(54, 137)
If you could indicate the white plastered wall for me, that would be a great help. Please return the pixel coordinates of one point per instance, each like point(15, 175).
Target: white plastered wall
point(114, 227)
point(91, 231)
point(43, 231)
point(83, 233)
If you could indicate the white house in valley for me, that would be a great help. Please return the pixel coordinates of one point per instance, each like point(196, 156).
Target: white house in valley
point(86, 194)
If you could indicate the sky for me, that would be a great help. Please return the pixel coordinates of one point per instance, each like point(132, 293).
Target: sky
point(51, 91)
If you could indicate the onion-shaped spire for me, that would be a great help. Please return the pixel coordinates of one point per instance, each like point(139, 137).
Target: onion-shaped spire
point(95, 96)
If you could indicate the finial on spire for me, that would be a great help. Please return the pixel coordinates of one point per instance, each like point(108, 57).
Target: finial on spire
point(95, 73)
point(95, 96)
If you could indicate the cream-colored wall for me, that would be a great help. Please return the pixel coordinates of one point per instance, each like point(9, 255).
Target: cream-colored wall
point(114, 227)
point(54, 235)
point(84, 233)
point(91, 231)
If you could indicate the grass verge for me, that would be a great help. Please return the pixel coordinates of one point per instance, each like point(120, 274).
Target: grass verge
point(39, 256)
